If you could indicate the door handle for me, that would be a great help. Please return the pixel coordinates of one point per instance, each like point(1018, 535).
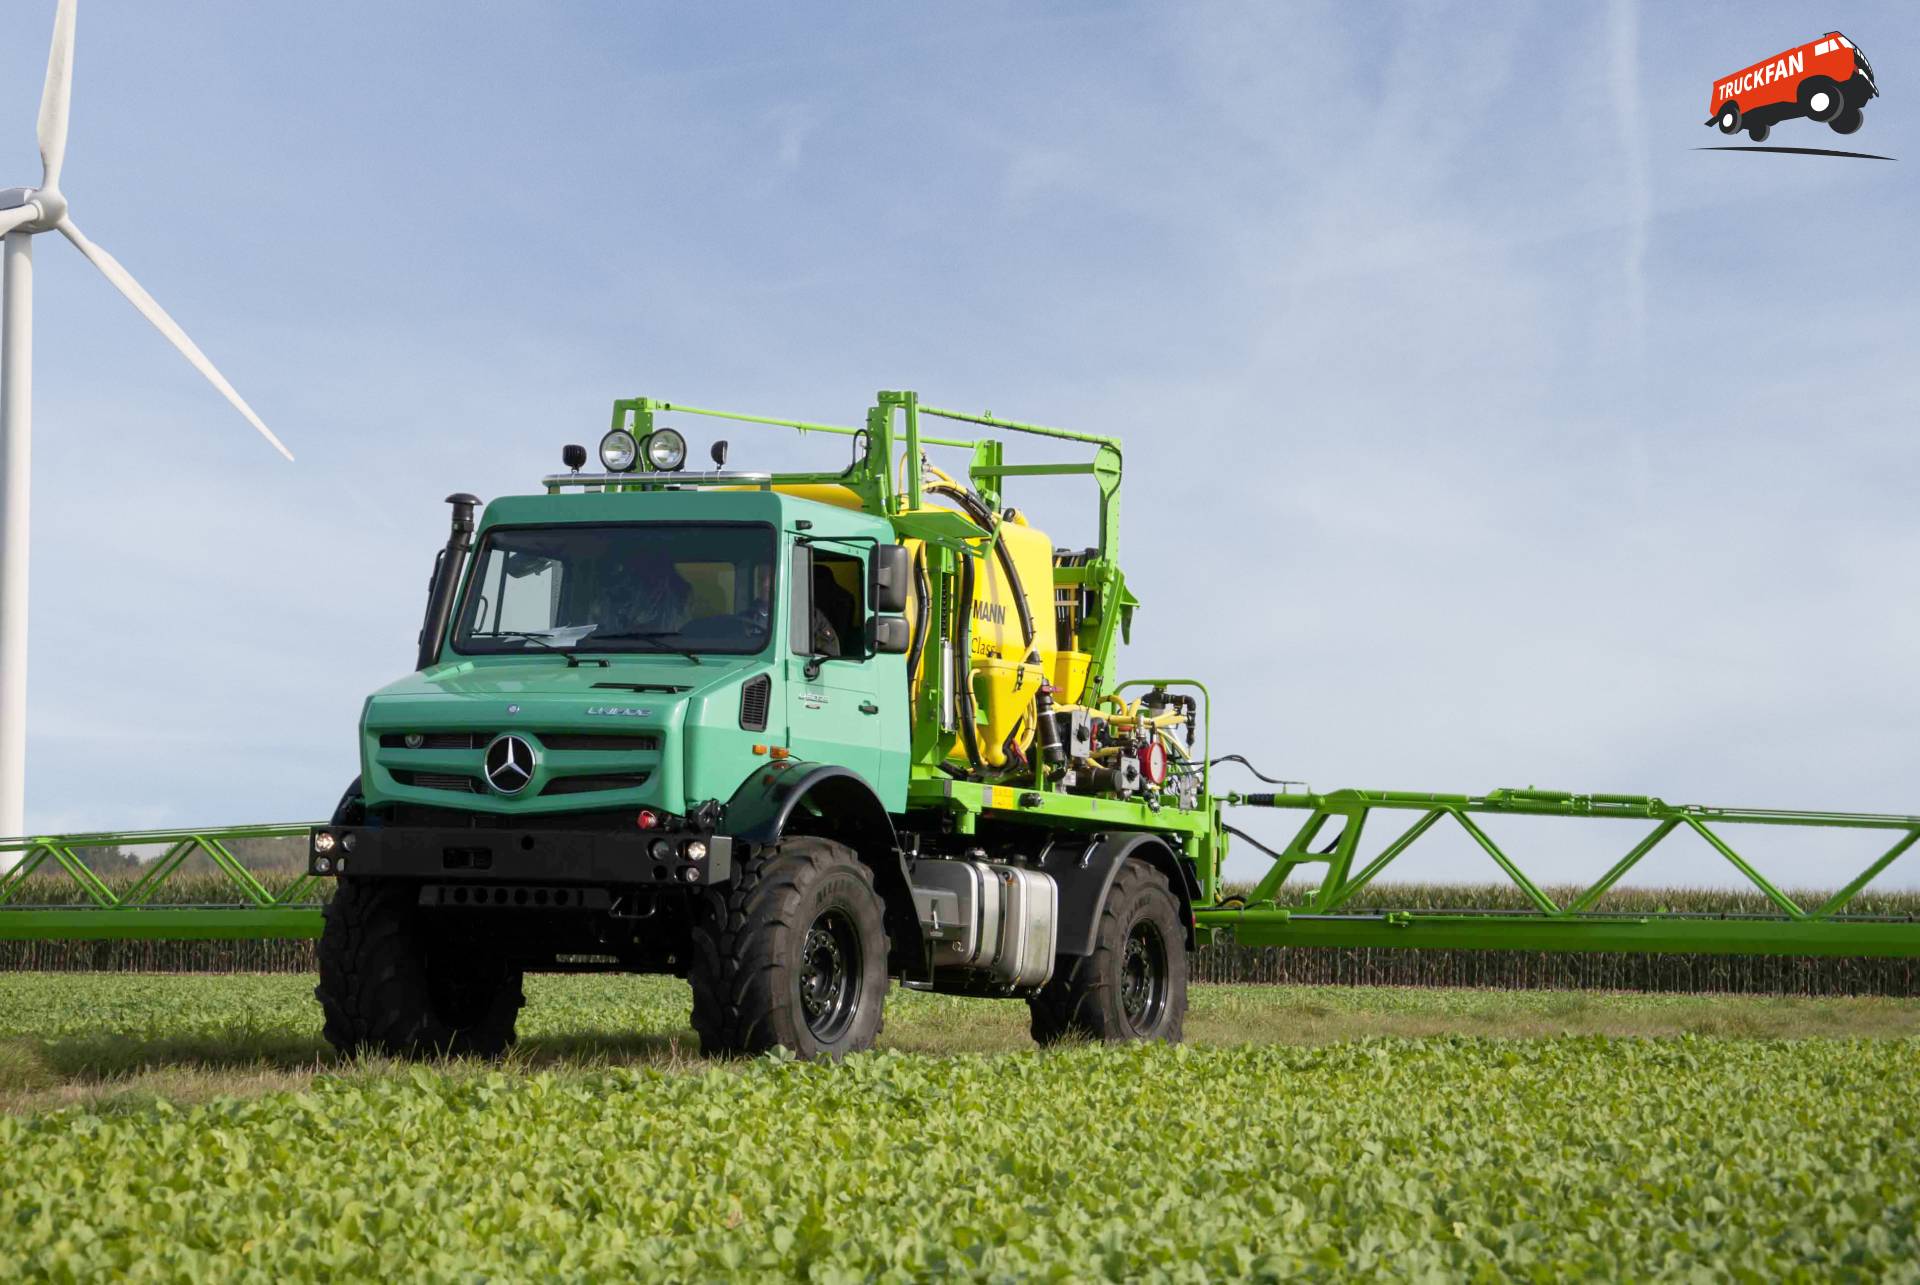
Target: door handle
point(868, 707)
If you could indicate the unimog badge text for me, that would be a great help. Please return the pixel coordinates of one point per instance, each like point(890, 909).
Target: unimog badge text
point(618, 711)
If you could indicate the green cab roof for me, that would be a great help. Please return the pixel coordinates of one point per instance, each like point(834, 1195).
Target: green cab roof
point(705, 504)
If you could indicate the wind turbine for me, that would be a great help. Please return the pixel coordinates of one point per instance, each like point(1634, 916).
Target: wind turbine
point(25, 212)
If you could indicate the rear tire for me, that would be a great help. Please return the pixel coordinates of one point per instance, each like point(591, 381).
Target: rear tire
point(1730, 119)
point(1849, 120)
point(1758, 131)
point(390, 985)
point(792, 953)
point(1134, 985)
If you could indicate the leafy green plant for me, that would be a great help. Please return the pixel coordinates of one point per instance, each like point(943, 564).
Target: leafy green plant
point(1445, 1157)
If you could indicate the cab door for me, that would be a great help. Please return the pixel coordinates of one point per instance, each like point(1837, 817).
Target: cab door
point(839, 711)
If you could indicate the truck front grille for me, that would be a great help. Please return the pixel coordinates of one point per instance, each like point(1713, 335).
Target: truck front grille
point(593, 784)
point(609, 742)
point(439, 781)
point(437, 740)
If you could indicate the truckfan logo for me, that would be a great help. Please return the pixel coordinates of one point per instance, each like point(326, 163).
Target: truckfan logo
point(509, 764)
point(1828, 81)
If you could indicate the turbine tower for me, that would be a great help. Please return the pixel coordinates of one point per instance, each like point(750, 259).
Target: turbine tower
point(25, 212)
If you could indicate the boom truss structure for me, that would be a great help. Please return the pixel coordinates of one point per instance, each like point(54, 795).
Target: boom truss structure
point(1331, 919)
point(142, 911)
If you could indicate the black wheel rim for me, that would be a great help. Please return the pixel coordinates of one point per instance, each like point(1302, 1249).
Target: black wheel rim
point(830, 975)
point(1143, 978)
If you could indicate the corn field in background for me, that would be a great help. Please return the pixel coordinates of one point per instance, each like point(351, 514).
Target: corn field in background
point(1747, 974)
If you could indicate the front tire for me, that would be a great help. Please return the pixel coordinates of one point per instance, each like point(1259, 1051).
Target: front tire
point(1758, 131)
point(1134, 985)
point(1821, 99)
point(792, 954)
point(1730, 119)
point(1849, 120)
point(390, 984)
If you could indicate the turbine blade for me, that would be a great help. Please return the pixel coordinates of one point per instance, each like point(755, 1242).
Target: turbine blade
point(153, 312)
point(11, 219)
point(56, 95)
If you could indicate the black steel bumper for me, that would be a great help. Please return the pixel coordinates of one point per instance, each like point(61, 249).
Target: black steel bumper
point(555, 857)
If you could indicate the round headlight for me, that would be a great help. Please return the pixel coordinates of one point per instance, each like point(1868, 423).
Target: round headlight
point(666, 450)
point(323, 865)
point(618, 451)
point(323, 842)
point(695, 850)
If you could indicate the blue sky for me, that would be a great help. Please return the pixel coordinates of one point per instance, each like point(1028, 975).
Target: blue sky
point(1482, 432)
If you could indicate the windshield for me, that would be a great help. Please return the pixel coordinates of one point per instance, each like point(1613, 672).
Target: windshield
point(641, 587)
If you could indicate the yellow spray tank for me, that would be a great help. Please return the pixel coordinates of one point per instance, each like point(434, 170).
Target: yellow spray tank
point(1004, 631)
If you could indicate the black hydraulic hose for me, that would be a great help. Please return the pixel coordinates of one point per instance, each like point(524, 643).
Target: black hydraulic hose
point(447, 569)
point(983, 516)
point(925, 588)
point(1241, 760)
point(1027, 632)
point(1242, 834)
point(963, 665)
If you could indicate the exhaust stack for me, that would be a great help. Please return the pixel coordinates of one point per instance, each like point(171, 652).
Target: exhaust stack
point(448, 565)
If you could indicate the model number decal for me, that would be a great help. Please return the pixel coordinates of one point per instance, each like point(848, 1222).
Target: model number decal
point(619, 711)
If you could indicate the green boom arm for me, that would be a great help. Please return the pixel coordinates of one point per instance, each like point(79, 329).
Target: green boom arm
point(1330, 918)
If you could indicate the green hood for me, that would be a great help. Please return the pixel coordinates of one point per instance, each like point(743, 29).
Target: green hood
point(613, 736)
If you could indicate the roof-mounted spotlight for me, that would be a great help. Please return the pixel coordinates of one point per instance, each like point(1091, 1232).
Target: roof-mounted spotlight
point(618, 451)
point(718, 453)
point(666, 450)
point(573, 456)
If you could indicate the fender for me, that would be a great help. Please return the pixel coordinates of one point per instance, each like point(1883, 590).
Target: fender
point(1085, 869)
point(791, 796)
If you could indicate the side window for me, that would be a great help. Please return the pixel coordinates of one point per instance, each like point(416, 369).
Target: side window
point(839, 593)
point(799, 627)
point(829, 607)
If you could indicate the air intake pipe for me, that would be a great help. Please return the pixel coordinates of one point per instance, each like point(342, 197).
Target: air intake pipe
point(448, 565)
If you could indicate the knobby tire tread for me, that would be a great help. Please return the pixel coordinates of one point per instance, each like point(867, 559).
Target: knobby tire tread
point(374, 991)
point(1081, 999)
point(736, 974)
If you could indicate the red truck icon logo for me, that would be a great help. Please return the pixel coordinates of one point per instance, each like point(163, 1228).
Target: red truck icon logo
point(1826, 80)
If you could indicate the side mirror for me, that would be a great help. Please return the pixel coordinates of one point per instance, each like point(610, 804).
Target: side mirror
point(891, 635)
point(891, 573)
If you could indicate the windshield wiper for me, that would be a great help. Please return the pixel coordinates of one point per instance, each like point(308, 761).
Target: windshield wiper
point(657, 637)
point(573, 661)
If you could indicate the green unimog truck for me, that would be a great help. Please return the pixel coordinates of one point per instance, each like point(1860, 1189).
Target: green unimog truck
point(786, 735)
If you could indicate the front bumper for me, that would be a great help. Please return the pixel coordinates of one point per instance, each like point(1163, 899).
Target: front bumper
point(504, 856)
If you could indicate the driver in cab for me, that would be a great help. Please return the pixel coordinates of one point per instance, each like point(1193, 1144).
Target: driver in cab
point(825, 640)
point(640, 595)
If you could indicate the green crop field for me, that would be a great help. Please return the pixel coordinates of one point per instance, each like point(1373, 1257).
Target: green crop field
point(194, 1128)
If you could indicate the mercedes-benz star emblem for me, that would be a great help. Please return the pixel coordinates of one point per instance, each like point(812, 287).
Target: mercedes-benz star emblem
point(509, 764)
